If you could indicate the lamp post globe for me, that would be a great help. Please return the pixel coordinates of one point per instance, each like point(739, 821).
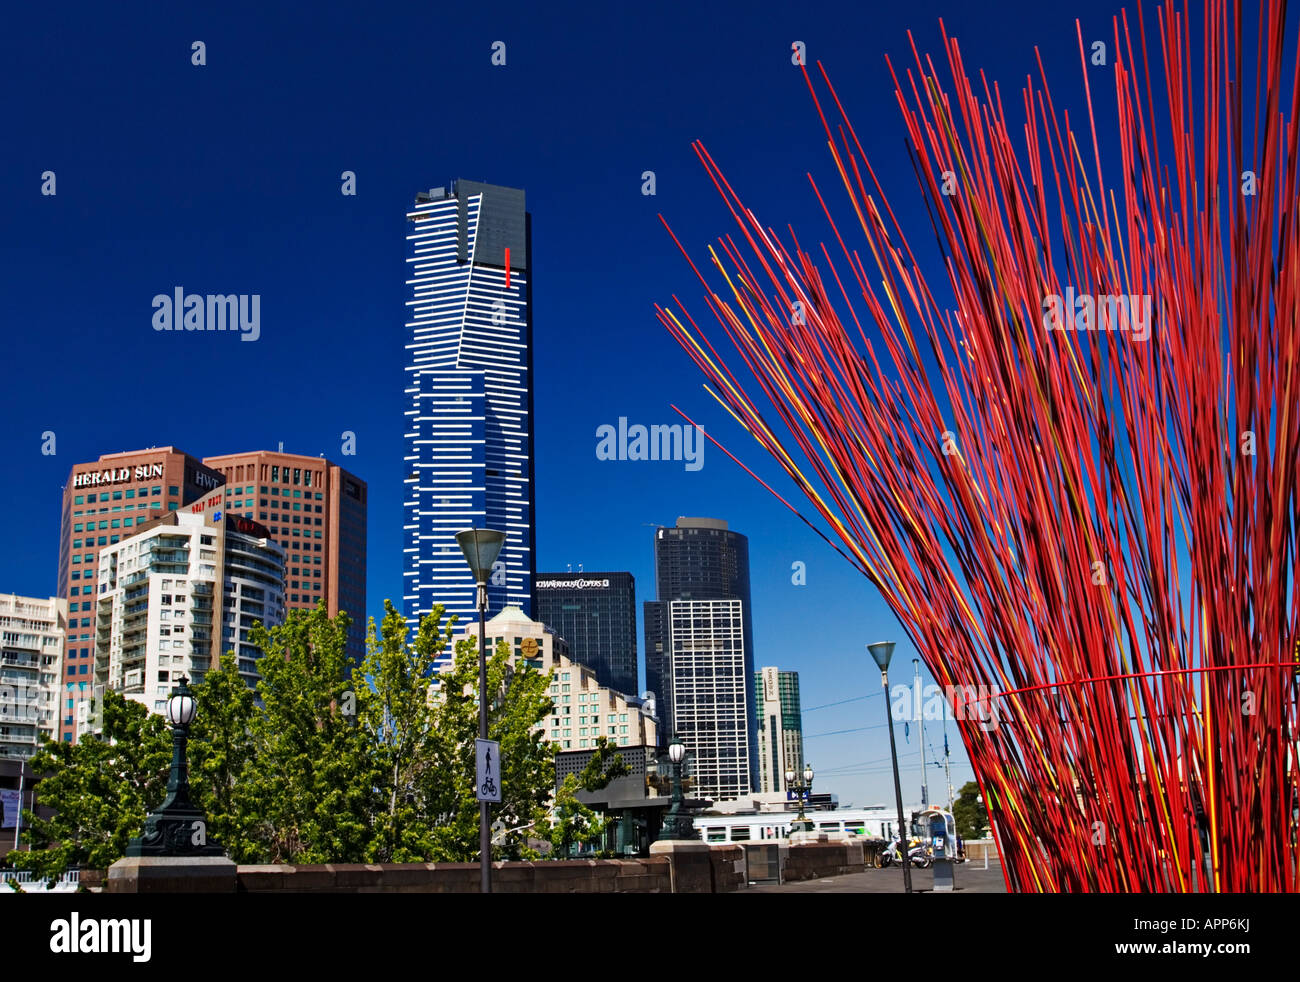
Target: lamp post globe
point(678, 823)
point(178, 827)
point(881, 653)
point(481, 548)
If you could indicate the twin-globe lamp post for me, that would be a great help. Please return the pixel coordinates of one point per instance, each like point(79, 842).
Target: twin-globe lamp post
point(678, 824)
point(801, 789)
point(481, 548)
point(882, 651)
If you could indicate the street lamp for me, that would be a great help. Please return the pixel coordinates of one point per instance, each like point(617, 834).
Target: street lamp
point(481, 548)
point(178, 827)
point(801, 789)
point(882, 651)
point(678, 824)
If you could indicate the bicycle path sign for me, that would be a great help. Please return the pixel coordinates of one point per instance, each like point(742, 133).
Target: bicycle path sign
point(487, 780)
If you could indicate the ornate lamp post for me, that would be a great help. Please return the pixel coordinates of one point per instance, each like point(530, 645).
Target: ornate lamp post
point(481, 548)
point(178, 827)
point(801, 789)
point(882, 651)
point(678, 824)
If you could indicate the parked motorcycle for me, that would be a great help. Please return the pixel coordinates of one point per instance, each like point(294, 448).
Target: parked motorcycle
point(919, 857)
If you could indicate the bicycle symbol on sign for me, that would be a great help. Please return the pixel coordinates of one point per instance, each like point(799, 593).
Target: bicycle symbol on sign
point(489, 787)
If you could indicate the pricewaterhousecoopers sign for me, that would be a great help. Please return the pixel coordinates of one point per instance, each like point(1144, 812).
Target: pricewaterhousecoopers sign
point(572, 584)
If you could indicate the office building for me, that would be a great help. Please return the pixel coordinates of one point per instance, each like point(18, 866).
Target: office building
point(316, 511)
point(584, 709)
point(596, 614)
point(698, 559)
point(31, 651)
point(469, 390)
point(104, 501)
point(179, 593)
point(711, 691)
point(780, 727)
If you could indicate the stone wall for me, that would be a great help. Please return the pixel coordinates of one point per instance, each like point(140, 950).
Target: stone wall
point(650, 875)
point(808, 861)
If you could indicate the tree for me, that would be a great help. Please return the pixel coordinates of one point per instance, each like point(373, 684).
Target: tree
point(969, 814)
point(311, 784)
point(527, 764)
point(396, 716)
point(100, 790)
point(221, 748)
point(577, 824)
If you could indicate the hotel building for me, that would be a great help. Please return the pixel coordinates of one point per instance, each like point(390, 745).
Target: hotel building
point(584, 709)
point(316, 511)
point(179, 593)
point(31, 649)
point(105, 501)
point(469, 390)
point(596, 614)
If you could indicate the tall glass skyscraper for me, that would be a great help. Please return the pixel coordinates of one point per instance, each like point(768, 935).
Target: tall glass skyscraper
point(596, 614)
point(469, 461)
point(699, 559)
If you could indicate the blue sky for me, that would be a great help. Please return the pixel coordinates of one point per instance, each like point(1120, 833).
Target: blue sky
point(225, 178)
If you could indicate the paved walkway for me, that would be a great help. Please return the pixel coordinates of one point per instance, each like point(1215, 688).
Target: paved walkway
point(970, 878)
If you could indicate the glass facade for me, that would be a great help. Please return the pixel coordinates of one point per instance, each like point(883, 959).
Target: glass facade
point(469, 457)
point(698, 559)
point(596, 614)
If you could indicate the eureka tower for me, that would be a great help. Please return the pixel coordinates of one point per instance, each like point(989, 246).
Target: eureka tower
point(469, 389)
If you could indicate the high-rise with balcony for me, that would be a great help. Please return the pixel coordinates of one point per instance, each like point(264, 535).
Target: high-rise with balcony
point(104, 501)
point(179, 593)
point(31, 650)
point(469, 429)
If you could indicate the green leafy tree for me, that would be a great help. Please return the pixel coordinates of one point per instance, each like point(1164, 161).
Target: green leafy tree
point(969, 814)
point(310, 783)
point(527, 764)
point(100, 790)
point(221, 749)
point(396, 716)
point(577, 824)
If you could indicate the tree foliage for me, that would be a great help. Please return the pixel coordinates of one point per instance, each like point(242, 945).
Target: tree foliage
point(326, 762)
point(100, 789)
point(969, 813)
point(577, 824)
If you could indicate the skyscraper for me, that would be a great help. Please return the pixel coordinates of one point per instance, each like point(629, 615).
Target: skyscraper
point(712, 706)
point(167, 591)
point(469, 461)
point(104, 501)
point(698, 559)
point(316, 511)
point(780, 727)
point(596, 614)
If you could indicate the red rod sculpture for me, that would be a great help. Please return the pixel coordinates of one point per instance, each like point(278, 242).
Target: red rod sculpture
point(1072, 474)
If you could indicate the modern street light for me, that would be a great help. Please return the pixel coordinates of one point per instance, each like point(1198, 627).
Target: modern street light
point(481, 548)
point(801, 789)
point(178, 827)
point(882, 651)
point(678, 824)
